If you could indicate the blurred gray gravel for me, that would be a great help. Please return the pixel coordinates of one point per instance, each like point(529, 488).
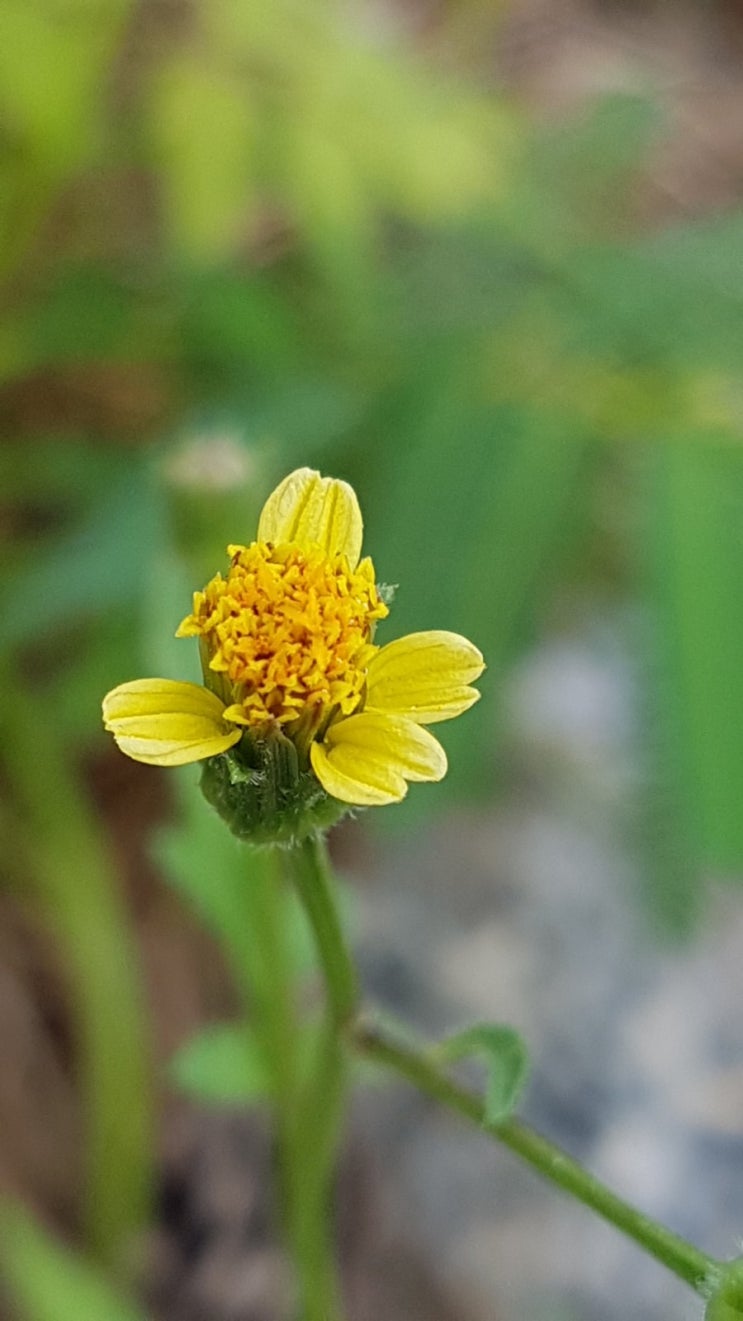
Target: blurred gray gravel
point(531, 916)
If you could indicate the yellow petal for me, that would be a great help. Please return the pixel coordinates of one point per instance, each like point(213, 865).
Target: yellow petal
point(314, 510)
point(152, 696)
point(367, 758)
point(425, 676)
point(165, 722)
point(349, 788)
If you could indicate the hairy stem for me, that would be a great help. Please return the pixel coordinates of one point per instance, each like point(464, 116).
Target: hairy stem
point(554, 1164)
point(313, 879)
point(321, 1102)
point(414, 1064)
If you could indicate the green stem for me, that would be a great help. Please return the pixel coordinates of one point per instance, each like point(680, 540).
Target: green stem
point(682, 1258)
point(554, 1164)
point(265, 973)
point(322, 1104)
point(314, 1149)
point(270, 991)
point(311, 872)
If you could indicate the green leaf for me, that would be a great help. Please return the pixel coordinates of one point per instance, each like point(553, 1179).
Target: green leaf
point(222, 1063)
point(507, 1062)
point(68, 472)
point(692, 560)
point(49, 1281)
point(101, 565)
point(475, 518)
point(652, 306)
point(85, 316)
point(607, 139)
point(108, 648)
point(226, 1064)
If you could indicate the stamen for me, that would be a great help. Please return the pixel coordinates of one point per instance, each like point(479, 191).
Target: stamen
point(288, 631)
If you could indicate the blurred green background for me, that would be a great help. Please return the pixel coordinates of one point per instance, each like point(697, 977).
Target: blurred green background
point(240, 238)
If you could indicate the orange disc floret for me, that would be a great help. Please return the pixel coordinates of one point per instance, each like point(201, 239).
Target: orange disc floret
point(287, 633)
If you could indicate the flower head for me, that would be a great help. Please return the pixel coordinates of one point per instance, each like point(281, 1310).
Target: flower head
point(301, 711)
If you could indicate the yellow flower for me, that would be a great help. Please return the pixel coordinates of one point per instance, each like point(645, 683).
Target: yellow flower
point(290, 664)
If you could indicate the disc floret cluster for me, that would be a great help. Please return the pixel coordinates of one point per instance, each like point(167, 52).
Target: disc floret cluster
point(286, 635)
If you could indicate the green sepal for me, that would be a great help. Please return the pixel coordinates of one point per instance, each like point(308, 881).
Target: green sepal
point(264, 796)
point(507, 1062)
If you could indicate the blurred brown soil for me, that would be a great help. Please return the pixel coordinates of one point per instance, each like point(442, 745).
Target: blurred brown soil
point(114, 401)
point(556, 54)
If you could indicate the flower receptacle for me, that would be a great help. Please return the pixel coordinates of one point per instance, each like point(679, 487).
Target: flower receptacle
point(264, 796)
point(726, 1301)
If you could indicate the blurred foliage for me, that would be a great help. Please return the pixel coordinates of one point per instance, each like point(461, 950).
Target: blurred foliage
point(222, 1064)
point(239, 238)
point(50, 1282)
point(72, 884)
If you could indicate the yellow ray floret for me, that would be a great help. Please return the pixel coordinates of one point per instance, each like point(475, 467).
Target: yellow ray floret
point(311, 510)
point(425, 676)
point(368, 758)
point(165, 722)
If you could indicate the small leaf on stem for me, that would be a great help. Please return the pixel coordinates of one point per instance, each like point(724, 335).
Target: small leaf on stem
point(222, 1063)
point(507, 1061)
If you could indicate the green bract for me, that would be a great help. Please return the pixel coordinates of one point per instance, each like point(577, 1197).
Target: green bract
point(261, 793)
